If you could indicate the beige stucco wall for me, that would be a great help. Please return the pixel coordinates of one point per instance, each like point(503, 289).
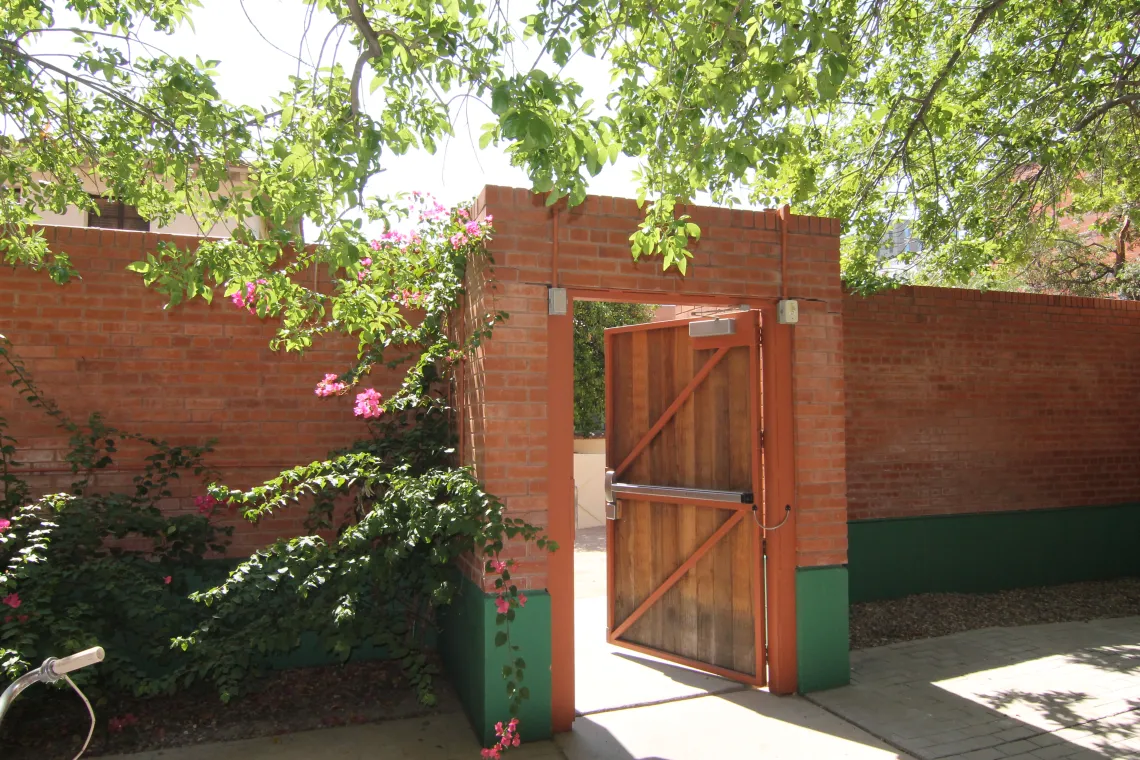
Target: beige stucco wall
point(589, 481)
point(181, 225)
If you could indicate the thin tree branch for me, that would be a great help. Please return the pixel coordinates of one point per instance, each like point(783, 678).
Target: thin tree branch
point(1104, 108)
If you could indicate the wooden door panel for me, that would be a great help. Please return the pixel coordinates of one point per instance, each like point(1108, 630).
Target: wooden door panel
point(718, 415)
point(685, 580)
point(707, 615)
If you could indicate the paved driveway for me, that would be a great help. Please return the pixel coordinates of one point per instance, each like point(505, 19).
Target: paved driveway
point(1042, 692)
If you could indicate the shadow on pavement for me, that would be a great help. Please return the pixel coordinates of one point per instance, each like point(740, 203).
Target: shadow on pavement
point(1063, 690)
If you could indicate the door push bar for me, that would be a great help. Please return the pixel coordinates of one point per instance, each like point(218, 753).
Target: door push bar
point(636, 491)
point(613, 490)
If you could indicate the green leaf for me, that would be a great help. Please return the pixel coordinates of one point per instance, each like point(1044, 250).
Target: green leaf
point(539, 130)
point(500, 99)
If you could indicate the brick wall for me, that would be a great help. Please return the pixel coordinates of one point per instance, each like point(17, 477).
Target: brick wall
point(187, 374)
point(738, 256)
point(104, 343)
point(960, 401)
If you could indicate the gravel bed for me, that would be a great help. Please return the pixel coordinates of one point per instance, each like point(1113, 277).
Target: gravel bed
point(928, 615)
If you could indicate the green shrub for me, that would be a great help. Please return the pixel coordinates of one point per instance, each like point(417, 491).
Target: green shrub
point(90, 568)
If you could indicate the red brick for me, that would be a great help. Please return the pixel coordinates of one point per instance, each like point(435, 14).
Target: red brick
point(990, 402)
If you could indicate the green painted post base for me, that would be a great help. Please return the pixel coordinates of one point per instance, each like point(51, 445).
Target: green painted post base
point(822, 628)
point(475, 665)
point(991, 551)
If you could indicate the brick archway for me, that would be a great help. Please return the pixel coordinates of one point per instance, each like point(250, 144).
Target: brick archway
point(517, 426)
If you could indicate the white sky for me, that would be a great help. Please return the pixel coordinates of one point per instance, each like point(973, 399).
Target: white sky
point(258, 54)
point(252, 71)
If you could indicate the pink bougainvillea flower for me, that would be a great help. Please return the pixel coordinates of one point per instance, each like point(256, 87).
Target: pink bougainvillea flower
point(463, 213)
point(206, 504)
point(488, 218)
point(498, 565)
point(457, 240)
point(491, 752)
point(391, 237)
point(366, 261)
point(508, 736)
point(12, 600)
point(167, 580)
point(502, 605)
point(522, 600)
point(22, 618)
point(368, 405)
point(246, 300)
point(5, 524)
point(472, 228)
point(330, 386)
point(408, 297)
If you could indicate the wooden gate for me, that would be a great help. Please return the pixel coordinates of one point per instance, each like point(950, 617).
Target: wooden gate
point(684, 478)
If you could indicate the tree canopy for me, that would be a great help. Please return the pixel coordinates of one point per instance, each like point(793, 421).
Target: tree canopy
point(987, 126)
point(591, 318)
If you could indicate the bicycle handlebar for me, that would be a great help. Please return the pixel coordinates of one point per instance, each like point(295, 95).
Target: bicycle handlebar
point(76, 661)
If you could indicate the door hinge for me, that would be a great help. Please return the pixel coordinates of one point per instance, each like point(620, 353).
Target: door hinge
point(761, 439)
point(764, 547)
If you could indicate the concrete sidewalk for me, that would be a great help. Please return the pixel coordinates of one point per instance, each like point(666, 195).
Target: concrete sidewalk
point(634, 707)
point(1061, 691)
point(741, 725)
point(738, 725)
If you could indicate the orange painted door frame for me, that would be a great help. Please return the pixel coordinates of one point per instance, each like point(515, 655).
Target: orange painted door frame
point(779, 489)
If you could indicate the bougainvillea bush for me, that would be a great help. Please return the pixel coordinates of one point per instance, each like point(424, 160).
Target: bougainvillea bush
point(94, 566)
point(387, 518)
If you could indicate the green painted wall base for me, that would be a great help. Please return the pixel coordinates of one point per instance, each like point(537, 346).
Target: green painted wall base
point(822, 640)
point(475, 665)
point(993, 551)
